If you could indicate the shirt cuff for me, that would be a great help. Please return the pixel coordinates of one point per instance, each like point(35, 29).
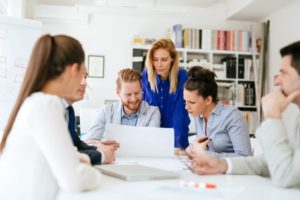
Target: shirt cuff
point(229, 166)
point(102, 156)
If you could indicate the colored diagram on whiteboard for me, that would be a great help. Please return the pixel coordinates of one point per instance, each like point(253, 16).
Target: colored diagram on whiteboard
point(16, 42)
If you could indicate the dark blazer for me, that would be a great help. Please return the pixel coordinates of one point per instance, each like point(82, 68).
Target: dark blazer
point(94, 155)
point(91, 151)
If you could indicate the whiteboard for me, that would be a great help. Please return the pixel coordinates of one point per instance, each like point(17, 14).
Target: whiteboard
point(17, 37)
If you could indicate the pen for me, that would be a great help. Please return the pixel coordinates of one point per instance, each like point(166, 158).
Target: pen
point(203, 140)
point(197, 185)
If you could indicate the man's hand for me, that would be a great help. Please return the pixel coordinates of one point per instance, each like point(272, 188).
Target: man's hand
point(274, 103)
point(112, 143)
point(204, 164)
point(108, 151)
point(108, 147)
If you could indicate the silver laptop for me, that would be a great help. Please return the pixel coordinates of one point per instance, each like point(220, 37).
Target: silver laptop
point(136, 172)
point(141, 141)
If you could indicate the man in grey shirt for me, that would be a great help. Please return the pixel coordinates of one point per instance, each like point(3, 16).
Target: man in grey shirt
point(281, 158)
point(130, 110)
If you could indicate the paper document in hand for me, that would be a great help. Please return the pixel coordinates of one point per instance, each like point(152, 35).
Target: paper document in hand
point(141, 141)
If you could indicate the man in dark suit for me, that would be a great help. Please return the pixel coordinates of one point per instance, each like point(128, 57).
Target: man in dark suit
point(102, 152)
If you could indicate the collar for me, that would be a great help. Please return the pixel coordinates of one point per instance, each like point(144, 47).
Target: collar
point(159, 80)
point(133, 115)
point(217, 110)
point(65, 103)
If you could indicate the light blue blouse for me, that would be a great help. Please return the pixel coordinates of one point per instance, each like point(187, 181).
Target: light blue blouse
point(228, 131)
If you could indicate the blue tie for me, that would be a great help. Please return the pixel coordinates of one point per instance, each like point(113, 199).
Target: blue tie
point(71, 125)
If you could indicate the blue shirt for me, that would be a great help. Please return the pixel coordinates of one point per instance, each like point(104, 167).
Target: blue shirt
point(228, 131)
point(113, 114)
point(171, 106)
point(129, 120)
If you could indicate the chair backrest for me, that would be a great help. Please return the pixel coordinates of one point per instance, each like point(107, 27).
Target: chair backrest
point(87, 117)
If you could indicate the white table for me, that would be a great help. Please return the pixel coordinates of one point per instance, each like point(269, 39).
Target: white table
point(228, 187)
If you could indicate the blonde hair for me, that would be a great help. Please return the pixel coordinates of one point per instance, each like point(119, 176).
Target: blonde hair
point(169, 46)
point(128, 75)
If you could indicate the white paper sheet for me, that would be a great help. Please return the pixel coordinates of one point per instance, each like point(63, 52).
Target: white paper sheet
point(142, 141)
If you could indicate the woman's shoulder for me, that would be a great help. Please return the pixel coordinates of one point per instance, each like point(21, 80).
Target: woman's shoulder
point(230, 110)
point(43, 100)
point(182, 74)
point(182, 77)
point(144, 73)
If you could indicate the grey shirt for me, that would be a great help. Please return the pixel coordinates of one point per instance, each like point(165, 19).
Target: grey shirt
point(113, 114)
point(281, 158)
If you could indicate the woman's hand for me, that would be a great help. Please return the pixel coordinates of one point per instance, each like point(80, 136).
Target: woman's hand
point(200, 145)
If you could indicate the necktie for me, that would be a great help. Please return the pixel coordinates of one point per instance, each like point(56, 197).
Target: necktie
point(71, 125)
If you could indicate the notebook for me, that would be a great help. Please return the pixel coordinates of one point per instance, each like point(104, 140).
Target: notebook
point(141, 141)
point(136, 172)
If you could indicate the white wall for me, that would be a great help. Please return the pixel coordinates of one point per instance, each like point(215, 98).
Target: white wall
point(111, 36)
point(284, 29)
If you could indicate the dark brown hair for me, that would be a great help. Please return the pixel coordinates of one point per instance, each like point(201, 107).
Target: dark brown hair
point(49, 58)
point(203, 81)
point(293, 50)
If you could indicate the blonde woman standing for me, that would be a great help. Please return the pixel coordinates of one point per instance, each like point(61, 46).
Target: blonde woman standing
point(163, 87)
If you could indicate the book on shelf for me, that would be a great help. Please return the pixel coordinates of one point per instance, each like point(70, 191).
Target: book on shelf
point(221, 40)
point(230, 66)
point(245, 69)
point(176, 35)
point(225, 93)
point(206, 39)
point(241, 68)
point(245, 94)
point(240, 95)
point(210, 39)
point(220, 70)
point(251, 118)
